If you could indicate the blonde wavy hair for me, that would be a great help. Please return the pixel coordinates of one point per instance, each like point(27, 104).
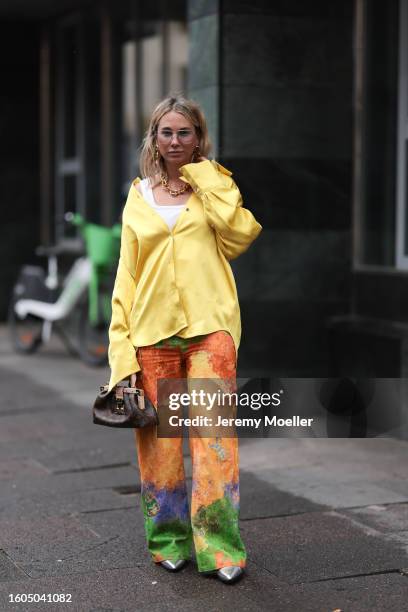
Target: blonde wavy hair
point(187, 107)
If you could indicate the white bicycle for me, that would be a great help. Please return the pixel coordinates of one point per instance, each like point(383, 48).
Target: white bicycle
point(78, 306)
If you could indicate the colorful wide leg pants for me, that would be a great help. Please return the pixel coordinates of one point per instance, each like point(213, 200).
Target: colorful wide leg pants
point(213, 524)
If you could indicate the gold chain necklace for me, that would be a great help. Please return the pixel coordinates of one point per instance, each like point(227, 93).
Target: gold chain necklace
point(173, 192)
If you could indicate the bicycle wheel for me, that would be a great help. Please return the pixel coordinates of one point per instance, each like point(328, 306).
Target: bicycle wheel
point(93, 338)
point(67, 330)
point(25, 333)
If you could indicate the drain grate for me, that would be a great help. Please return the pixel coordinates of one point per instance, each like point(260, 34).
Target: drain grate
point(127, 489)
point(108, 466)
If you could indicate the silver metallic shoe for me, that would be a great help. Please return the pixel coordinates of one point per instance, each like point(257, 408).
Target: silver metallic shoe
point(230, 574)
point(173, 566)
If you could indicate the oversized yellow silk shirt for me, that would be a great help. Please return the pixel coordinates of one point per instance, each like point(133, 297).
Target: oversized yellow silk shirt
point(178, 281)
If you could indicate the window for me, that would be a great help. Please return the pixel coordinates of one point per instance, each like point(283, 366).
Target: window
point(70, 171)
point(178, 55)
point(130, 131)
point(154, 59)
point(377, 129)
point(402, 156)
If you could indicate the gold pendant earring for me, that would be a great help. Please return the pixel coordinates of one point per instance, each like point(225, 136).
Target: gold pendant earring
point(196, 153)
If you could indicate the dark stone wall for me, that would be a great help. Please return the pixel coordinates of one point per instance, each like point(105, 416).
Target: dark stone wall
point(19, 153)
point(280, 84)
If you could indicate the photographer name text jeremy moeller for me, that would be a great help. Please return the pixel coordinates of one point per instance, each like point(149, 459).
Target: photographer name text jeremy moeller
point(274, 421)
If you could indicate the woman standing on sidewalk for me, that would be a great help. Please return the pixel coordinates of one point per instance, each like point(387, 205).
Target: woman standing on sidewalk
point(175, 314)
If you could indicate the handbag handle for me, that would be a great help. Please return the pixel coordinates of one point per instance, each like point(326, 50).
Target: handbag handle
point(122, 387)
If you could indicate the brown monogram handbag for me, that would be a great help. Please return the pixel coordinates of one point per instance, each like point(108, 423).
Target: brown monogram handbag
point(124, 406)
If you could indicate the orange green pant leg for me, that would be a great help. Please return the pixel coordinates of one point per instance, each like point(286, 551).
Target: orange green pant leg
point(215, 487)
point(164, 498)
point(215, 463)
point(215, 504)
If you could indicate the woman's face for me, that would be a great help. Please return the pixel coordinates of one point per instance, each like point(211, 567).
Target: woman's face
point(176, 138)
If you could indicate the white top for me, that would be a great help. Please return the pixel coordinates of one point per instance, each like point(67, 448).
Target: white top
point(169, 212)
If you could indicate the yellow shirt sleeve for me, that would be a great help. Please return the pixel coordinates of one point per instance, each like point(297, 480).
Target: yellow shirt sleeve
point(122, 353)
point(235, 226)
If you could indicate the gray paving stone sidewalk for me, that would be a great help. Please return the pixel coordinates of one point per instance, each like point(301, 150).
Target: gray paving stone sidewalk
point(325, 521)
